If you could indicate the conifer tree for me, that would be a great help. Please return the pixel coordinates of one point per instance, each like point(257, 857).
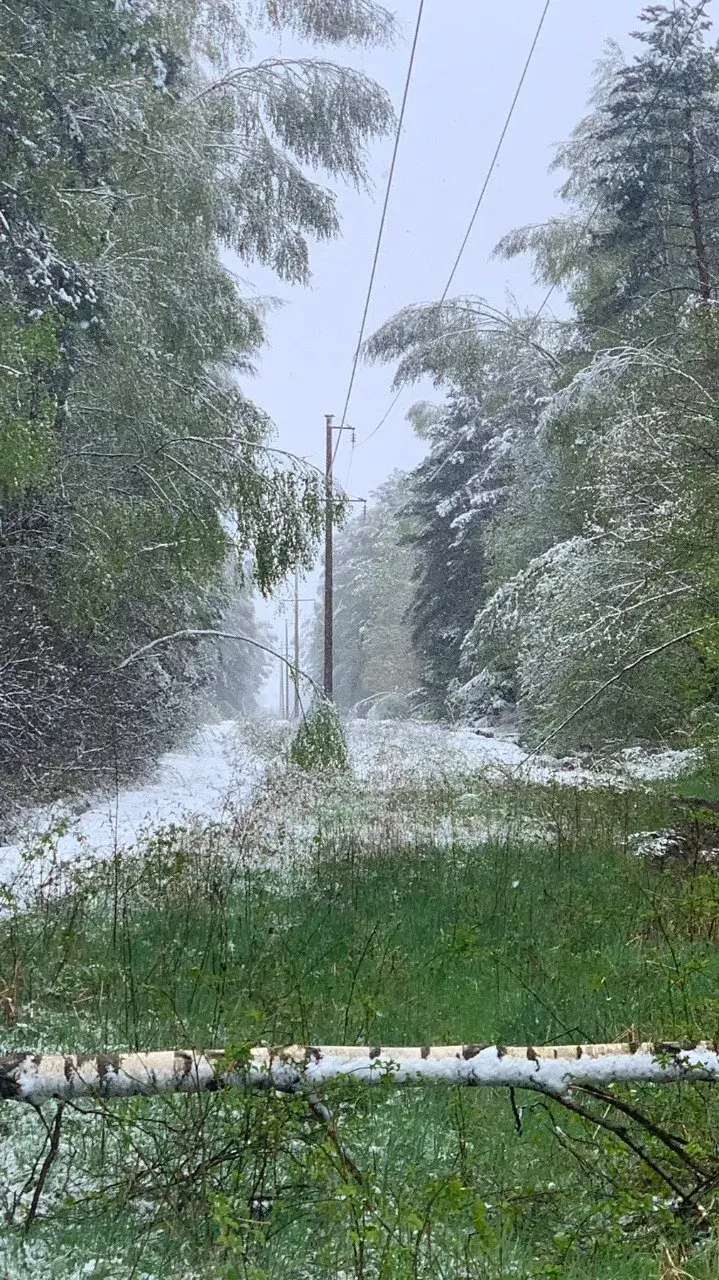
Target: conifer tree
point(495, 374)
point(642, 236)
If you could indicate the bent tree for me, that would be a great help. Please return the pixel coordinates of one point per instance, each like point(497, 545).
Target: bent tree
point(141, 144)
point(574, 477)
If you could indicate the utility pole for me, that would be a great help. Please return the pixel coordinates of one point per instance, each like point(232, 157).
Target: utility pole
point(287, 671)
point(329, 567)
point(361, 502)
point(330, 428)
point(297, 644)
point(294, 667)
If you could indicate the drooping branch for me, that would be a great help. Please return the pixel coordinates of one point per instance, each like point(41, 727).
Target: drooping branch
point(35, 1078)
point(630, 666)
point(189, 633)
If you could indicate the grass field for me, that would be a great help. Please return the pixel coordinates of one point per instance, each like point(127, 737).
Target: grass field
point(530, 920)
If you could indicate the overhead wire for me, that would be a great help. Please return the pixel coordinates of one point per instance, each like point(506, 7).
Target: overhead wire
point(483, 191)
point(701, 9)
point(381, 422)
point(493, 163)
point(383, 219)
point(497, 152)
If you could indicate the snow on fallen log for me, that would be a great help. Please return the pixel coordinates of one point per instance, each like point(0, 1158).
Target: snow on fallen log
point(35, 1078)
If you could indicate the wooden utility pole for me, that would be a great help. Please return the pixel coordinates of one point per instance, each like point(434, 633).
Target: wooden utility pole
point(329, 567)
point(282, 691)
point(297, 644)
point(288, 713)
point(330, 429)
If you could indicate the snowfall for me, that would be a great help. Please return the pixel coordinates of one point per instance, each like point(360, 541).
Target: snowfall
point(220, 769)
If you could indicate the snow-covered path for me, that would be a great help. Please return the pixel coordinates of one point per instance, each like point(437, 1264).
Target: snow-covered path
point(221, 767)
point(216, 765)
point(392, 751)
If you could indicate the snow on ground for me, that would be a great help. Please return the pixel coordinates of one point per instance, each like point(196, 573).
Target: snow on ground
point(390, 752)
point(195, 781)
point(644, 767)
point(393, 752)
point(222, 768)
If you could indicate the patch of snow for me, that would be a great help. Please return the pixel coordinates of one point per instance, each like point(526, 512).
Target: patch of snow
point(654, 766)
point(653, 844)
point(216, 767)
point(390, 752)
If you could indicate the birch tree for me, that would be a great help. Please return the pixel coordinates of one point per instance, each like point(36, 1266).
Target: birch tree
point(141, 142)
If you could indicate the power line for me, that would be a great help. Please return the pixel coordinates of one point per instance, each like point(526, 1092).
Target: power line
point(383, 219)
point(588, 221)
point(495, 157)
point(475, 214)
point(349, 465)
point(382, 421)
point(369, 436)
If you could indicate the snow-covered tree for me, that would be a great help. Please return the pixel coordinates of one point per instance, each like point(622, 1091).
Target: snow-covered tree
point(642, 232)
point(495, 372)
point(140, 140)
point(597, 599)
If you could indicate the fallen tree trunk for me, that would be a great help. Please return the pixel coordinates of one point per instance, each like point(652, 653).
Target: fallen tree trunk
point(35, 1078)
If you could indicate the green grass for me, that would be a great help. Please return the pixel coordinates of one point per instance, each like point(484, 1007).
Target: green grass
point(562, 938)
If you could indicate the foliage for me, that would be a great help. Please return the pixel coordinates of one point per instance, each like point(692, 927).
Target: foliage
point(320, 742)
point(242, 666)
point(455, 496)
point(140, 146)
point(191, 940)
point(596, 607)
point(373, 571)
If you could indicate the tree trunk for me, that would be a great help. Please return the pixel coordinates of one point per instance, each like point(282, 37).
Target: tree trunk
point(35, 1078)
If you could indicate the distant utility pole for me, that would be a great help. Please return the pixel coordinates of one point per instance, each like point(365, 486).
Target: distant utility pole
point(363, 503)
point(287, 667)
point(287, 670)
point(330, 428)
point(297, 644)
point(329, 567)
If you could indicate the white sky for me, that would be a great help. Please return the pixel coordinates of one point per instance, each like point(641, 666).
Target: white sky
point(469, 59)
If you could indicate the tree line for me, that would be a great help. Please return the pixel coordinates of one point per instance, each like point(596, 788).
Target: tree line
point(145, 148)
point(562, 528)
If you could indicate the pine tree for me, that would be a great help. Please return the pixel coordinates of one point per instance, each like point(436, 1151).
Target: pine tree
point(643, 234)
point(495, 371)
point(449, 577)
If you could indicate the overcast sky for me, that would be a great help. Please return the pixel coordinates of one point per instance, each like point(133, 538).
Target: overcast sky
point(469, 59)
